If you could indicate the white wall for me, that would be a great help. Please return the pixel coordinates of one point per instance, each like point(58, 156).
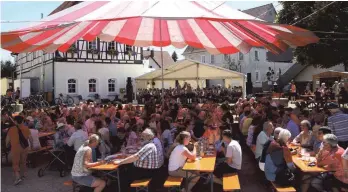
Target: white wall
point(102, 72)
point(308, 72)
point(247, 65)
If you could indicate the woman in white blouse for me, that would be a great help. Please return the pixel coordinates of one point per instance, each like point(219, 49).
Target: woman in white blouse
point(306, 137)
point(178, 157)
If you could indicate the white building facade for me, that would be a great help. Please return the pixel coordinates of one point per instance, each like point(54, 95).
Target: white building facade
point(254, 63)
point(88, 68)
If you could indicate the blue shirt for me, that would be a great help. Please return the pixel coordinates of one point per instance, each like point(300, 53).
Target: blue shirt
point(293, 128)
point(338, 123)
point(112, 129)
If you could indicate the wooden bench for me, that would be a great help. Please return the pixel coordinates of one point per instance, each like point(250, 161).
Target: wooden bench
point(231, 182)
point(77, 187)
point(141, 185)
point(74, 185)
point(283, 189)
point(173, 183)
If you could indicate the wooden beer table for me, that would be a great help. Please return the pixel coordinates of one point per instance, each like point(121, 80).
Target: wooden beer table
point(203, 166)
point(303, 166)
point(109, 168)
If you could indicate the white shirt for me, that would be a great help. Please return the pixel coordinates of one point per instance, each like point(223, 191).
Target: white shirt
point(345, 154)
point(36, 141)
point(262, 138)
point(77, 139)
point(234, 151)
point(176, 159)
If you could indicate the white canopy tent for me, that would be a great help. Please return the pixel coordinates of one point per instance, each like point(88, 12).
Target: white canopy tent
point(192, 72)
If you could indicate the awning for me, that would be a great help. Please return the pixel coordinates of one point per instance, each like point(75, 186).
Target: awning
point(191, 70)
point(194, 73)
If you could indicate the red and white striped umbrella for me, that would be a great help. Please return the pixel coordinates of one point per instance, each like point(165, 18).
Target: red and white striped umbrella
point(213, 26)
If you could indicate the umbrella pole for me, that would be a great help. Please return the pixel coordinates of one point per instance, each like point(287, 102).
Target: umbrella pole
point(160, 26)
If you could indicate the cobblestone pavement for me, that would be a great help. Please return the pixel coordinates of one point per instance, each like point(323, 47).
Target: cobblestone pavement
point(251, 179)
point(50, 182)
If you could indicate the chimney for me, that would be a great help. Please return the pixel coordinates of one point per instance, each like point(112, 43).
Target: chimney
point(41, 15)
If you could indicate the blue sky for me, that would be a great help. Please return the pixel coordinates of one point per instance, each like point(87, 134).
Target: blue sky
point(31, 11)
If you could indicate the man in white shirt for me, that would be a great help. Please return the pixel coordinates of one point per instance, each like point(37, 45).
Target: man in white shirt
point(233, 154)
point(78, 137)
point(262, 138)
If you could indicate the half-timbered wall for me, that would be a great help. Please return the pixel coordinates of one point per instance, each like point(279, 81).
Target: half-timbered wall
point(101, 52)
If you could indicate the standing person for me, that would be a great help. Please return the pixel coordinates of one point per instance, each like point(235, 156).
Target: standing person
point(17, 139)
point(83, 161)
point(336, 89)
point(166, 136)
point(112, 130)
point(198, 129)
point(233, 154)
point(18, 93)
point(293, 91)
point(178, 156)
point(338, 123)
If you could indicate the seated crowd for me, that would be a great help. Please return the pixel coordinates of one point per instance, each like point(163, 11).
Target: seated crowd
point(321, 134)
point(166, 136)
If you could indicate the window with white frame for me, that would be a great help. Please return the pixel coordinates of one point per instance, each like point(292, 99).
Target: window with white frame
point(241, 56)
point(92, 85)
point(93, 44)
point(203, 58)
point(256, 56)
point(212, 59)
point(72, 86)
point(257, 76)
point(112, 85)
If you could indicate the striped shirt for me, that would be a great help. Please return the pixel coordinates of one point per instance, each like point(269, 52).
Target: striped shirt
point(148, 157)
point(338, 123)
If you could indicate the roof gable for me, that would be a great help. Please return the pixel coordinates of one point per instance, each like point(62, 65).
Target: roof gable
point(167, 58)
point(265, 12)
point(65, 5)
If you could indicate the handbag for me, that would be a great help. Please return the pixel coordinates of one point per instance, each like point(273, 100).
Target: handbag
point(22, 140)
point(284, 177)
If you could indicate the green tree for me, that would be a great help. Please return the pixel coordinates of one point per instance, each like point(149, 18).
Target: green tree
point(332, 49)
point(7, 69)
point(174, 56)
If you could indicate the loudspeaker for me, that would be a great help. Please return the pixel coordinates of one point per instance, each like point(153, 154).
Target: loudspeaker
point(207, 83)
point(249, 77)
point(249, 87)
point(129, 90)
